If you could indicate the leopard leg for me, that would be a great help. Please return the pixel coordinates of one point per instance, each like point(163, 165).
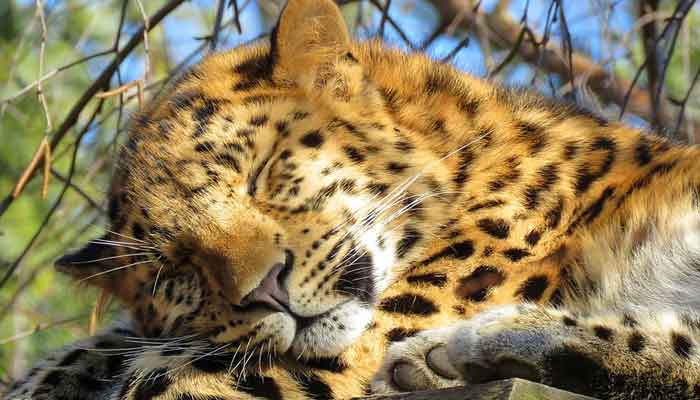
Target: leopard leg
point(606, 355)
point(87, 369)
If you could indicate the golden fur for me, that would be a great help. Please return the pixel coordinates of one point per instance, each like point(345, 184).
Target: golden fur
point(408, 195)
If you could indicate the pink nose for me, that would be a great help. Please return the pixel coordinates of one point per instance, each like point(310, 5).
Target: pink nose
point(271, 291)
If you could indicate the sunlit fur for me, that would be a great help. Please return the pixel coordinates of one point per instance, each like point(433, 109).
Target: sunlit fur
point(404, 194)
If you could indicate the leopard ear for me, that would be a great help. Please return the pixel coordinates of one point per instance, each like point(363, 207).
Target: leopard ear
point(309, 33)
point(88, 264)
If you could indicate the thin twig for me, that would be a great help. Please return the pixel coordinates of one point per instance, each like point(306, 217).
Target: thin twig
point(53, 73)
point(217, 25)
point(236, 16)
point(42, 54)
point(628, 95)
point(47, 169)
point(146, 47)
point(58, 201)
point(503, 32)
point(393, 24)
point(101, 82)
point(120, 107)
point(566, 43)
point(98, 311)
point(684, 102)
point(122, 18)
point(439, 30)
point(15, 61)
point(31, 167)
point(385, 16)
point(649, 41)
point(462, 44)
point(42, 264)
point(94, 204)
point(685, 8)
point(41, 327)
point(123, 88)
point(525, 31)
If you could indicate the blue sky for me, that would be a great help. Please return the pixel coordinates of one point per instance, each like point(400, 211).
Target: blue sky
point(418, 22)
point(585, 19)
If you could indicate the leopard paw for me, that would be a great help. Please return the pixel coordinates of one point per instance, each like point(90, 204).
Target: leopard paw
point(501, 343)
point(417, 363)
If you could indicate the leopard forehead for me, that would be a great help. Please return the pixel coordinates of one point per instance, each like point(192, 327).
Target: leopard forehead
point(227, 143)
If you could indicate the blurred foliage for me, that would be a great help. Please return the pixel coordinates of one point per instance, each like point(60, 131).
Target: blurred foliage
point(41, 310)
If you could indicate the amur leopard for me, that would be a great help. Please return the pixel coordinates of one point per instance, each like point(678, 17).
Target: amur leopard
point(318, 218)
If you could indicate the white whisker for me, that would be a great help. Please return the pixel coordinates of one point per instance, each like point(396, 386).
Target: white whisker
point(125, 236)
point(230, 365)
point(243, 360)
point(112, 257)
point(155, 284)
point(114, 269)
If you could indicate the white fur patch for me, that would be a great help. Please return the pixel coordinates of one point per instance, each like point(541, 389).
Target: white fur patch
point(661, 271)
point(319, 341)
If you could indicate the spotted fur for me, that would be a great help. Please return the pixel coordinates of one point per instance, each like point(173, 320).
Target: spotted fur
point(391, 194)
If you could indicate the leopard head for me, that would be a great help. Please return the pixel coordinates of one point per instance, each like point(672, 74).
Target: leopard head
point(254, 205)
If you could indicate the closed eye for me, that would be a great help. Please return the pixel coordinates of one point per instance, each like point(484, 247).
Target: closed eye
point(253, 179)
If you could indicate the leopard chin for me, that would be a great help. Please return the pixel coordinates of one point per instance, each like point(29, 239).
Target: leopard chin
point(331, 333)
point(324, 335)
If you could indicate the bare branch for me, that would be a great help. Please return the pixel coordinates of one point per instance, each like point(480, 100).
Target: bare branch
point(649, 36)
point(684, 102)
point(217, 25)
point(385, 16)
point(51, 74)
point(566, 41)
point(462, 44)
point(15, 61)
point(146, 46)
point(236, 16)
point(42, 54)
point(57, 203)
point(79, 191)
point(505, 33)
point(31, 167)
point(674, 24)
point(100, 83)
point(42, 327)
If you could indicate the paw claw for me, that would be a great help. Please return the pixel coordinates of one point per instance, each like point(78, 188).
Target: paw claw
point(438, 361)
point(407, 377)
